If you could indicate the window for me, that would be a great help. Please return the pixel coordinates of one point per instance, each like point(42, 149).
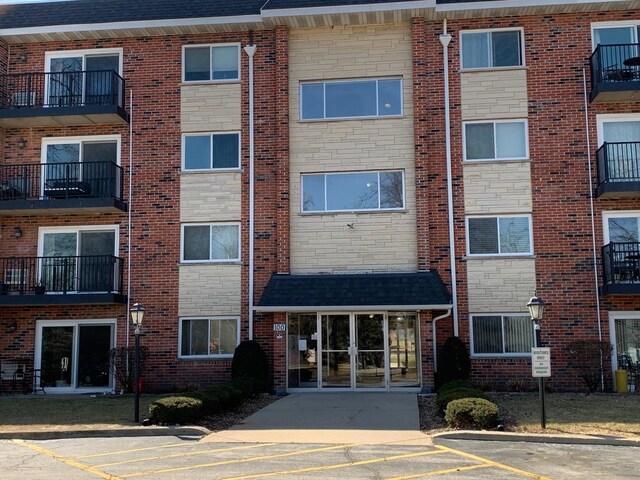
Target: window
point(211, 62)
point(615, 35)
point(211, 151)
point(496, 140)
point(351, 99)
point(499, 235)
point(501, 334)
point(209, 337)
point(335, 192)
point(499, 48)
point(620, 43)
point(211, 242)
point(621, 227)
point(619, 137)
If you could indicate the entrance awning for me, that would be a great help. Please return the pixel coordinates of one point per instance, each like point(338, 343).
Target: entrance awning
point(354, 292)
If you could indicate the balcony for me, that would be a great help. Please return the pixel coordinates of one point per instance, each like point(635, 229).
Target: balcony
point(621, 268)
point(61, 280)
point(61, 99)
point(615, 73)
point(74, 187)
point(618, 170)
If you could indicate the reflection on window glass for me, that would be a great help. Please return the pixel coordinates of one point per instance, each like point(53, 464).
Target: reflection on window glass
point(623, 230)
point(224, 242)
point(495, 140)
point(208, 337)
point(212, 151)
point(491, 49)
point(499, 235)
point(211, 242)
point(211, 63)
point(348, 99)
point(352, 191)
point(514, 235)
point(502, 334)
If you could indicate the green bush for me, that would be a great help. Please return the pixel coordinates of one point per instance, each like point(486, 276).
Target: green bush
point(175, 410)
point(474, 413)
point(453, 362)
point(443, 399)
point(210, 401)
point(248, 385)
point(454, 385)
point(250, 360)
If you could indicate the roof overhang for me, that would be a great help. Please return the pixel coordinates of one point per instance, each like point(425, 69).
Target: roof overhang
point(350, 308)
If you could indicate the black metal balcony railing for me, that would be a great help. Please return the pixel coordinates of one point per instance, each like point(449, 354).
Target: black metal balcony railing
point(62, 89)
point(615, 63)
point(61, 181)
point(61, 275)
point(621, 263)
point(619, 162)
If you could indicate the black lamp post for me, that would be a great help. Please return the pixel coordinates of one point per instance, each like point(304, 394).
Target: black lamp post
point(536, 309)
point(137, 312)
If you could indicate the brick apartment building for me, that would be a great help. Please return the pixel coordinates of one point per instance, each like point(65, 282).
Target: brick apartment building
point(347, 182)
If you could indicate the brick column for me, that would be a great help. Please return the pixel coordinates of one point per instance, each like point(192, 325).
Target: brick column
point(282, 148)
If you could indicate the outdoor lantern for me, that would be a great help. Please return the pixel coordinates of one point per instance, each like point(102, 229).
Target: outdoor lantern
point(536, 308)
point(137, 312)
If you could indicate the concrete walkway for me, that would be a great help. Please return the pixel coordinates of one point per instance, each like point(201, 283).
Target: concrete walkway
point(364, 418)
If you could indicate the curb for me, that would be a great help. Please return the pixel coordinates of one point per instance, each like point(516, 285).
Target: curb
point(534, 438)
point(111, 432)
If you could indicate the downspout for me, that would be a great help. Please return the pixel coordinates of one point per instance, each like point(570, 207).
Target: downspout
point(250, 50)
point(129, 234)
point(445, 39)
point(593, 220)
point(433, 335)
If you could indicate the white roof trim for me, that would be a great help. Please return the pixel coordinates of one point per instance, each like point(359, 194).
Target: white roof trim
point(350, 308)
point(84, 27)
point(338, 9)
point(452, 7)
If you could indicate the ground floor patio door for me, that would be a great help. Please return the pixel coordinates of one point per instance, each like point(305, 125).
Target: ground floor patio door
point(74, 356)
point(352, 351)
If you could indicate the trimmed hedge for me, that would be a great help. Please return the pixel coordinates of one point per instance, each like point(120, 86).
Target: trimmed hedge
point(175, 410)
point(474, 413)
point(250, 361)
point(456, 384)
point(443, 399)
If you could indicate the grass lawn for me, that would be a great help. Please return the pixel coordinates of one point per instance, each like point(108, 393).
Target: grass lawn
point(616, 415)
point(51, 412)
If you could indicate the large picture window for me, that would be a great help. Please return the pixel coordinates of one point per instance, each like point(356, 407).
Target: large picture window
point(335, 192)
point(211, 242)
point(211, 151)
point(503, 235)
point(491, 49)
point(351, 99)
point(211, 63)
point(501, 335)
point(209, 337)
point(506, 140)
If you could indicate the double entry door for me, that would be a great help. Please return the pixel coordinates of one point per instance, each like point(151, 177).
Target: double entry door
point(354, 351)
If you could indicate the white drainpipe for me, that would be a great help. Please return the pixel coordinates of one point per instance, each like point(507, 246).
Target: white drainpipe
point(130, 234)
point(250, 50)
point(445, 39)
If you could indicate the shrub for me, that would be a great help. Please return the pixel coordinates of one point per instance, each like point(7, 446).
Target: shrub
point(455, 385)
point(250, 360)
point(248, 385)
point(590, 358)
point(122, 365)
point(475, 413)
point(442, 400)
point(175, 410)
point(210, 401)
point(454, 362)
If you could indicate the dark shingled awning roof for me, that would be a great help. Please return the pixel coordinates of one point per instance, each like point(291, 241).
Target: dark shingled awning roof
point(413, 291)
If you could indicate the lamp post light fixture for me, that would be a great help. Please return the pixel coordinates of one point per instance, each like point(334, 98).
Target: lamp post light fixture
point(536, 310)
point(137, 313)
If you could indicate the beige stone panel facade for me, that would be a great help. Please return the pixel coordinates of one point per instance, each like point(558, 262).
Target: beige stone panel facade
point(497, 187)
point(210, 107)
point(494, 94)
point(381, 241)
point(208, 197)
point(497, 285)
point(197, 282)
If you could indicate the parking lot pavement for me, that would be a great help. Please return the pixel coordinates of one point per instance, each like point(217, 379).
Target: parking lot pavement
point(176, 458)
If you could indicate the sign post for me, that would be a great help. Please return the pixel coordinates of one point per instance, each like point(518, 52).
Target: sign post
point(541, 369)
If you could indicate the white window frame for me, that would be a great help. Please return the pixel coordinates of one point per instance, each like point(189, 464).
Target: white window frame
point(612, 24)
point(499, 254)
point(80, 140)
point(494, 123)
point(350, 80)
point(606, 215)
point(210, 224)
point(212, 45)
point(212, 169)
point(209, 318)
point(48, 56)
point(504, 354)
point(77, 229)
point(364, 210)
point(490, 30)
point(613, 118)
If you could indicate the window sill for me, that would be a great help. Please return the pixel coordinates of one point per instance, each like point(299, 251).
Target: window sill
point(351, 212)
point(497, 160)
point(205, 358)
point(210, 82)
point(213, 170)
point(499, 257)
point(347, 119)
point(500, 356)
point(493, 69)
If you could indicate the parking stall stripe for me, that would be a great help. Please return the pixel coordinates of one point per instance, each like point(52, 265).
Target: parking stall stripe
point(185, 454)
point(117, 452)
point(494, 464)
point(443, 472)
point(340, 465)
point(240, 460)
point(68, 461)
